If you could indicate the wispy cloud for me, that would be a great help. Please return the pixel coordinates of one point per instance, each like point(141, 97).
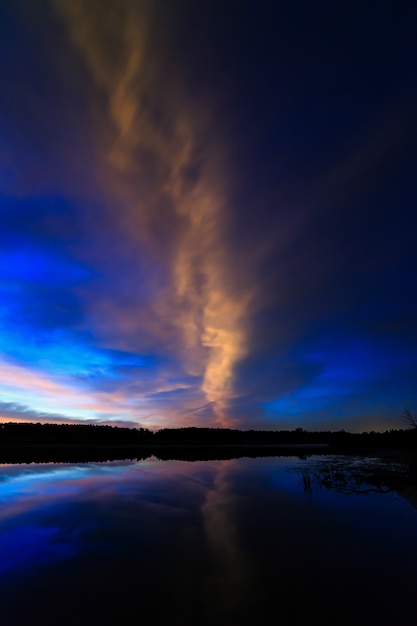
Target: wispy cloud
point(190, 203)
point(164, 170)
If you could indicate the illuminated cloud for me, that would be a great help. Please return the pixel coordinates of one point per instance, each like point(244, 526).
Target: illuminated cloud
point(166, 174)
point(194, 201)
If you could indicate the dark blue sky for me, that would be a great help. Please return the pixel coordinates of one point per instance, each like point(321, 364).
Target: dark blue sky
point(208, 213)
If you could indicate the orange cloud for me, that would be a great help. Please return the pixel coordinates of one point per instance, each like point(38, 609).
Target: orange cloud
point(164, 169)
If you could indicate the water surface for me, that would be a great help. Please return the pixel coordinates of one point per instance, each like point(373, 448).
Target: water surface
point(214, 542)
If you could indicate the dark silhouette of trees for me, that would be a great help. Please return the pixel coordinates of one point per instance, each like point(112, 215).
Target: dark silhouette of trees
point(409, 418)
point(91, 434)
point(35, 440)
point(411, 453)
point(71, 434)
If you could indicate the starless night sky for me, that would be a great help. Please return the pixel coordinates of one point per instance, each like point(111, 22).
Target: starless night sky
point(208, 212)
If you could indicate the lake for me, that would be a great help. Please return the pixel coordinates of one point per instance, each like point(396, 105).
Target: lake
point(211, 542)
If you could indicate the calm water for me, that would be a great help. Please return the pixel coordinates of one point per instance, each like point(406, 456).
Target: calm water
point(216, 542)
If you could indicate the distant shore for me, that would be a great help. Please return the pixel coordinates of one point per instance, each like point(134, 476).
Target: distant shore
point(27, 452)
point(36, 442)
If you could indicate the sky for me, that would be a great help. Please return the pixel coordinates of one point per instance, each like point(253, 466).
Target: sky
point(208, 213)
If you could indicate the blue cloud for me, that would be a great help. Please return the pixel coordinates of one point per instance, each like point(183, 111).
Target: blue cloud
point(347, 379)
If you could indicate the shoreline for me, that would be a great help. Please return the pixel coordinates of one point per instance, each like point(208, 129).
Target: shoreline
point(387, 458)
point(30, 452)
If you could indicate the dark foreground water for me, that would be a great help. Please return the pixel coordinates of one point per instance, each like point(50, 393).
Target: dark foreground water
point(215, 542)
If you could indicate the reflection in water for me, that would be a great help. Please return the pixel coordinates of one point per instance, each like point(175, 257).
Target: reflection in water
point(217, 542)
point(228, 587)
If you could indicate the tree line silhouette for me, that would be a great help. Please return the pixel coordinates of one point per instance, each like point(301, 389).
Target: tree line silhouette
point(83, 443)
point(18, 433)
